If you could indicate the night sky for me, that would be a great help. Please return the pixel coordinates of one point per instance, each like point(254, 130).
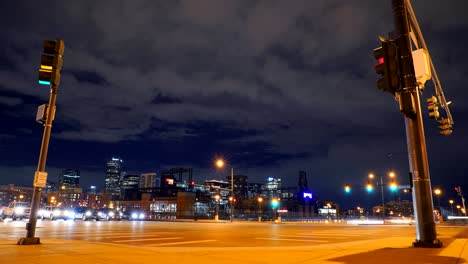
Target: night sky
point(274, 87)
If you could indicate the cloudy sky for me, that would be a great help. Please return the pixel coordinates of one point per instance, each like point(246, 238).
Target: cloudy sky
point(274, 87)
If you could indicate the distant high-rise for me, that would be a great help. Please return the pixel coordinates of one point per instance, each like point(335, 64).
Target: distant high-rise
point(129, 186)
point(113, 176)
point(241, 189)
point(302, 182)
point(149, 180)
point(273, 187)
point(69, 178)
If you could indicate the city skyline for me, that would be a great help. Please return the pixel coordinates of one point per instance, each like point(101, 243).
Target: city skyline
point(273, 88)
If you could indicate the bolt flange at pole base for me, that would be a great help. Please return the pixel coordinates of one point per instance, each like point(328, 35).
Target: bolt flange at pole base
point(434, 244)
point(29, 241)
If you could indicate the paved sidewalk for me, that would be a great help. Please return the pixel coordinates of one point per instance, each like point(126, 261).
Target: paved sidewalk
point(388, 250)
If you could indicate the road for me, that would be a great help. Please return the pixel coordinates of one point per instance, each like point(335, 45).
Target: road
point(210, 234)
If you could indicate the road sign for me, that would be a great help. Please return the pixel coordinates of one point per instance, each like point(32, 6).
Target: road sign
point(40, 179)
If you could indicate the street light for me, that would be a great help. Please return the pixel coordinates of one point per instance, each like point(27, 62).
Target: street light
point(458, 209)
point(220, 164)
point(260, 200)
point(217, 207)
point(393, 187)
point(438, 192)
point(451, 205)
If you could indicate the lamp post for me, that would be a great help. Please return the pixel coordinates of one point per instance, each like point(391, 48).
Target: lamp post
point(451, 205)
point(438, 192)
point(260, 200)
point(220, 164)
point(328, 212)
point(217, 207)
point(393, 187)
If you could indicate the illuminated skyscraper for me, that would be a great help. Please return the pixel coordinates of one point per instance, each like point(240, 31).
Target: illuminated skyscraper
point(273, 187)
point(113, 176)
point(69, 178)
point(129, 187)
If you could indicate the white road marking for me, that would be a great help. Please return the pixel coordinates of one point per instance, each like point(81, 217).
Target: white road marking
point(289, 239)
point(331, 234)
point(182, 243)
point(146, 239)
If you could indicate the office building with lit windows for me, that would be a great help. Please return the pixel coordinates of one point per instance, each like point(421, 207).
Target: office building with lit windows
point(113, 176)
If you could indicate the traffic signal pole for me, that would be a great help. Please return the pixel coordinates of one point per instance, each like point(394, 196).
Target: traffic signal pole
point(49, 74)
point(37, 193)
point(426, 235)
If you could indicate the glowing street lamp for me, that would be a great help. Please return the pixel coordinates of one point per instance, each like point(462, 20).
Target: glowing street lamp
point(438, 192)
point(220, 163)
point(217, 197)
point(451, 205)
point(260, 200)
point(393, 187)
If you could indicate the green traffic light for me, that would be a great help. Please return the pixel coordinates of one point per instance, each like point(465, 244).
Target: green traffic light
point(274, 203)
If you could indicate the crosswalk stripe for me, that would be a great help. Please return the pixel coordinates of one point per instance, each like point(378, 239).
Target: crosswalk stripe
point(146, 239)
point(182, 243)
point(288, 239)
point(330, 234)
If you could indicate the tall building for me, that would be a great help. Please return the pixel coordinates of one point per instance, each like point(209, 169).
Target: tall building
point(241, 189)
point(129, 187)
point(69, 178)
point(273, 187)
point(149, 180)
point(302, 182)
point(255, 190)
point(113, 176)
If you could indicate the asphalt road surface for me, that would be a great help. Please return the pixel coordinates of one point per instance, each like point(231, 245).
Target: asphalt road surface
point(210, 234)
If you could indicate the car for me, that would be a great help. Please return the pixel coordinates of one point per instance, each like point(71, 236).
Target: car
point(108, 214)
point(16, 210)
point(134, 214)
point(84, 213)
point(52, 213)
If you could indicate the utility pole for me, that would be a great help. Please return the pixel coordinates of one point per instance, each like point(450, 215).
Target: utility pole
point(232, 195)
point(409, 100)
point(49, 74)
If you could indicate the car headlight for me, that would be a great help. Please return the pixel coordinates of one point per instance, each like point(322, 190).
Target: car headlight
point(19, 210)
point(141, 216)
point(111, 214)
point(67, 213)
point(99, 213)
point(134, 215)
point(57, 212)
point(88, 213)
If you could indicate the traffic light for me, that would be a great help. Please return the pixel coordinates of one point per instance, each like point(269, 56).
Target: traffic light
point(445, 126)
point(347, 188)
point(274, 203)
point(393, 186)
point(432, 107)
point(387, 57)
point(369, 187)
point(51, 62)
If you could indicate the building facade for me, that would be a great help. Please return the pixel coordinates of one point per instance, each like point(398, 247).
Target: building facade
point(149, 180)
point(113, 177)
